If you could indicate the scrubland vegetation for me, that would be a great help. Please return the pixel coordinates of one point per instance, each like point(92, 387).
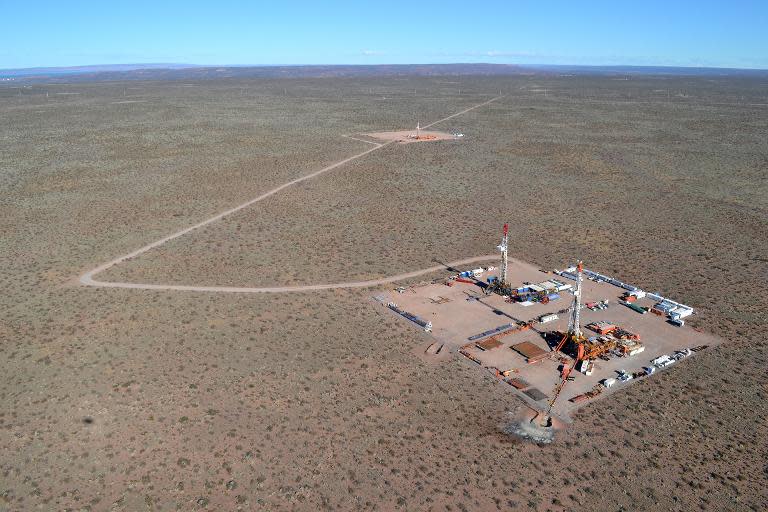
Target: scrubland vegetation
point(132, 400)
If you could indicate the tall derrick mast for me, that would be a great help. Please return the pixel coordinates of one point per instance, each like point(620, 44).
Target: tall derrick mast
point(574, 333)
point(503, 246)
point(574, 326)
point(501, 285)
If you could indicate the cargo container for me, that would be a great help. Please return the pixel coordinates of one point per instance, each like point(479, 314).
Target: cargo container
point(586, 367)
point(553, 296)
point(677, 322)
point(667, 305)
point(548, 318)
point(609, 382)
point(602, 327)
point(681, 312)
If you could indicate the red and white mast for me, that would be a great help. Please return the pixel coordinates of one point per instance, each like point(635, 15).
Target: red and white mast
point(504, 261)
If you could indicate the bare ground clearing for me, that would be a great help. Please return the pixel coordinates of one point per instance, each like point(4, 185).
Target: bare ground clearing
point(410, 136)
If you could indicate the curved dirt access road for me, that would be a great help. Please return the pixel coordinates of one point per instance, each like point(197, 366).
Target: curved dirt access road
point(88, 277)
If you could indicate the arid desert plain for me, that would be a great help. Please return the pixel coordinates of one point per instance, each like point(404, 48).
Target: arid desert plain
point(234, 376)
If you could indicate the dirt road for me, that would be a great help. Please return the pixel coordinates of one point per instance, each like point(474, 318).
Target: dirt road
point(88, 277)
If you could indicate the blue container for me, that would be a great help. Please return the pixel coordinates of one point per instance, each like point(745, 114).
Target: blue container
point(553, 296)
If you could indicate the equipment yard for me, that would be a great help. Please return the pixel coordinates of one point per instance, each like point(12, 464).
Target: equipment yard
point(509, 340)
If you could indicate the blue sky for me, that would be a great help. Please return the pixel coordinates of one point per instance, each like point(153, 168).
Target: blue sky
point(674, 33)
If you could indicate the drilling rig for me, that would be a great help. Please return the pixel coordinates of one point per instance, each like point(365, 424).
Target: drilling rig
point(501, 285)
point(504, 258)
point(573, 336)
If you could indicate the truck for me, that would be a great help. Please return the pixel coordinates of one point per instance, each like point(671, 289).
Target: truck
point(635, 307)
point(662, 361)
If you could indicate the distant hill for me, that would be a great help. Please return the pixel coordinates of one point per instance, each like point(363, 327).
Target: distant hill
point(192, 72)
point(648, 70)
point(97, 68)
point(119, 72)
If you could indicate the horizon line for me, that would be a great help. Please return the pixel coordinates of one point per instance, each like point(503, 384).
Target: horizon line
point(190, 65)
